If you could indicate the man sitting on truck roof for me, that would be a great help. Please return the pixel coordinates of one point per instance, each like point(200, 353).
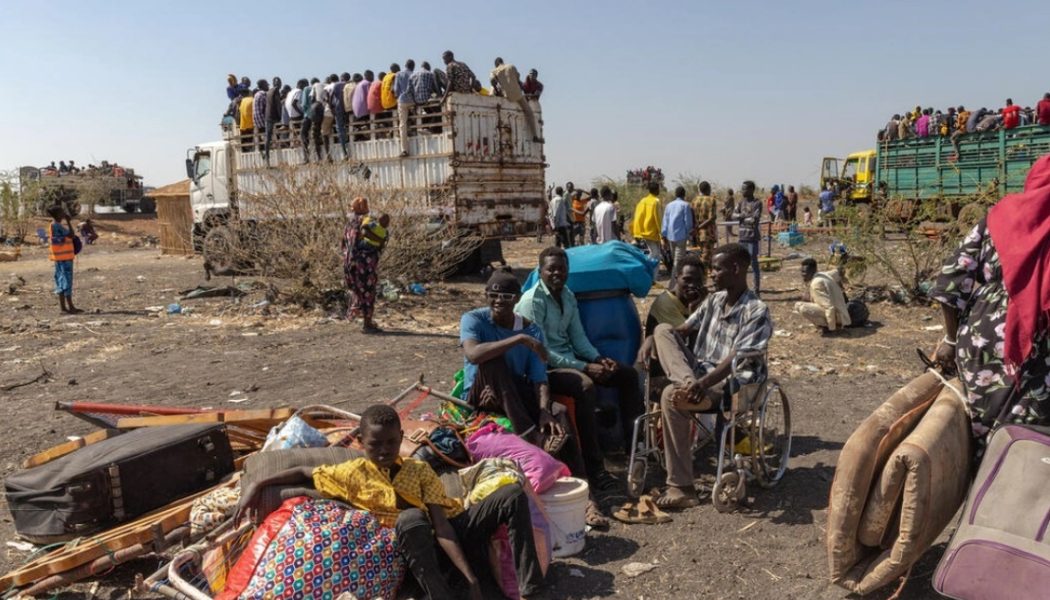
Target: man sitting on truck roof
point(460, 77)
point(1011, 115)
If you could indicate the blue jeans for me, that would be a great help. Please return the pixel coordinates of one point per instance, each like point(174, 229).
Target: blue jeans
point(752, 247)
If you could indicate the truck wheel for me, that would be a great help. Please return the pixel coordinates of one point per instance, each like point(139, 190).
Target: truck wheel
point(147, 206)
point(129, 207)
point(218, 247)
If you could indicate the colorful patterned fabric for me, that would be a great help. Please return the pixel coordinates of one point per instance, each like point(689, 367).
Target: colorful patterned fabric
point(971, 280)
point(325, 549)
point(360, 270)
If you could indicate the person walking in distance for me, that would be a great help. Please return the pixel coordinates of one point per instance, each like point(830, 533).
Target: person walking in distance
point(749, 213)
point(706, 229)
point(676, 227)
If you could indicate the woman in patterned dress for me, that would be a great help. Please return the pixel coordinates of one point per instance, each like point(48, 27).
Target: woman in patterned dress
point(995, 296)
point(360, 268)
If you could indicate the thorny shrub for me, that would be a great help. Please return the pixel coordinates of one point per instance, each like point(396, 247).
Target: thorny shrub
point(910, 251)
point(292, 225)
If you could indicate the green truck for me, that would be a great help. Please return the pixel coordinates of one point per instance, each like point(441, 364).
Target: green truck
point(904, 173)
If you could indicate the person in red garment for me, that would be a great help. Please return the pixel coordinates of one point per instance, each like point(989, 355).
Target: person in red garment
point(1011, 115)
point(1042, 110)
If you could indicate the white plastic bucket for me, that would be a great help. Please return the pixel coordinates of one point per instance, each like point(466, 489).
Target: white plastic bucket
point(566, 507)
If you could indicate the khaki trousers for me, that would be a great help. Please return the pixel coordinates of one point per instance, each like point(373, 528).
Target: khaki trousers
point(814, 313)
point(677, 361)
point(403, 109)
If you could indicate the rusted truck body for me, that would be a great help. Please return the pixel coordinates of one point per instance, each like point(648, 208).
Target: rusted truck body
point(471, 165)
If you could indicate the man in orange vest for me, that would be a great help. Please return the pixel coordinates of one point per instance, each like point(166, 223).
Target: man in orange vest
point(62, 253)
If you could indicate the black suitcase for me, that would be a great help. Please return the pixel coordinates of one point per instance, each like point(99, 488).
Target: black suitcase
point(116, 480)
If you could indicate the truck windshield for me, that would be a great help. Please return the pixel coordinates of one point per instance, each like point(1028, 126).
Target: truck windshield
point(201, 166)
point(849, 170)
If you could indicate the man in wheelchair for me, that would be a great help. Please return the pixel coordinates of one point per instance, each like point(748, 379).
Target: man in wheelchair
point(730, 321)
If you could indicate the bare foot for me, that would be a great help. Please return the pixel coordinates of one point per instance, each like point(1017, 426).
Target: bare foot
point(676, 498)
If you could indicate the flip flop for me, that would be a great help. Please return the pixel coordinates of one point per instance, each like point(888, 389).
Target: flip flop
point(687, 501)
point(645, 512)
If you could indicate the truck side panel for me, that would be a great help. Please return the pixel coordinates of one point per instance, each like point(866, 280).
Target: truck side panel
point(482, 171)
point(930, 168)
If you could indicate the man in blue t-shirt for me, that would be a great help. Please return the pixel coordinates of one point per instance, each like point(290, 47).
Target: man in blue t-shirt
point(505, 360)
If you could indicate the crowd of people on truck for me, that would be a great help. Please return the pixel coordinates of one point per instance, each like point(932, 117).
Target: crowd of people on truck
point(958, 121)
point(103, 169)
point(364, 105)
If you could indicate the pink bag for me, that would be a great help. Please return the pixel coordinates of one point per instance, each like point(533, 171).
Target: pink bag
point(541, 469)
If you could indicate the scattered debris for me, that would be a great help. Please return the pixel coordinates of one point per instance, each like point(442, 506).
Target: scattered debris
point(203, 291)
point(21, 546)
point(572, 572)
point(637, 568)
point(934, 328)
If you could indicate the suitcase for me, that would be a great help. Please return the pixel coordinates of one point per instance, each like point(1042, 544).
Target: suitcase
point(116, 480)
point(1000, 549)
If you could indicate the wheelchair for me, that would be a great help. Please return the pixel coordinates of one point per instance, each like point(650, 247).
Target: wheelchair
point(752, 430)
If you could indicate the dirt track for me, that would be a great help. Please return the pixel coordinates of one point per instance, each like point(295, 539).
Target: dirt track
point(120, 350)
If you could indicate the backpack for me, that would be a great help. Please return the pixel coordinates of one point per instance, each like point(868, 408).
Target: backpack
point(858, 312)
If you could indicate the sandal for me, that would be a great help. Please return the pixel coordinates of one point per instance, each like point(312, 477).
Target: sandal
point(552, 444)
point(645, 512)
point(593, 516)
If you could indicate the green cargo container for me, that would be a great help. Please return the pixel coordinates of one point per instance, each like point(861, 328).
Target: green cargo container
point(929, 168)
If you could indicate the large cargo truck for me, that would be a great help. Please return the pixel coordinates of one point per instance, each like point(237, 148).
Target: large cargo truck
point(917, 170)
point(471, 163)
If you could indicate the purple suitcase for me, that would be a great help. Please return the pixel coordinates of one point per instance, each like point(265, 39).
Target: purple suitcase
point(1001, 549)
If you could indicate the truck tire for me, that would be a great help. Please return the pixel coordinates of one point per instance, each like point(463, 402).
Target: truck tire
point(218, 247)
point(130, 207)
point(147, 206)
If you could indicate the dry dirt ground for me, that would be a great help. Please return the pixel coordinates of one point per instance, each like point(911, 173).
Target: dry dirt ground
point(124, 350)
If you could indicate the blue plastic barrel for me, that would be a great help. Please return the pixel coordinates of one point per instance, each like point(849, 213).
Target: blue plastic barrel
point(611, 322)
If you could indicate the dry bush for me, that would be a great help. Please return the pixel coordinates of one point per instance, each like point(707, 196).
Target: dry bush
point(15, 214)
point(910, 251)
point(291, 228)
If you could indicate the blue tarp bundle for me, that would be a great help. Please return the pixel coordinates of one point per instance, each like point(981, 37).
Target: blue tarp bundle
point(605, 267)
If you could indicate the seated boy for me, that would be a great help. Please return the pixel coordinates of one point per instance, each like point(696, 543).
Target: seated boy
point(405, 493)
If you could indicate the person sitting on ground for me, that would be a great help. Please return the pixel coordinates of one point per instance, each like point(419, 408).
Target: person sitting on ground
point(825, 303)
point(87, 232)
point(575, 364)
point(406, 494)
point(729, 322)
point(673, 307)
point(505, 372)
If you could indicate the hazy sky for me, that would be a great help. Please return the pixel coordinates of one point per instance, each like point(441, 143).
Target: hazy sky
point(723, 90)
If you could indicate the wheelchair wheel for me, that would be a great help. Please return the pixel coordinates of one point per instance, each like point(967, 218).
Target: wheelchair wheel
point(728, 492)
point(636, 477)
point(772, 429)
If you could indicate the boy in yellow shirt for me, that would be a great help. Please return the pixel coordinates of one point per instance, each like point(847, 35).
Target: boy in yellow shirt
point(405, 493)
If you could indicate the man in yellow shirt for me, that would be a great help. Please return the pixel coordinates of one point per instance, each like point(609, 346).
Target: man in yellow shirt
point(405, 493)
point(386, 92)
point(648, 219)
point(247, 119)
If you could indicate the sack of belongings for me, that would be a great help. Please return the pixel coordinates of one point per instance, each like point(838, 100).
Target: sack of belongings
point(901, 477)
point(1000, 549)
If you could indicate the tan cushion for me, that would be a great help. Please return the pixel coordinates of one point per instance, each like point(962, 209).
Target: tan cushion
point(917, 494)
point(862, 457)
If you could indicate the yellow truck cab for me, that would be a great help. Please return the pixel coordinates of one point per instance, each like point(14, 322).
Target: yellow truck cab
point(856, 178)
